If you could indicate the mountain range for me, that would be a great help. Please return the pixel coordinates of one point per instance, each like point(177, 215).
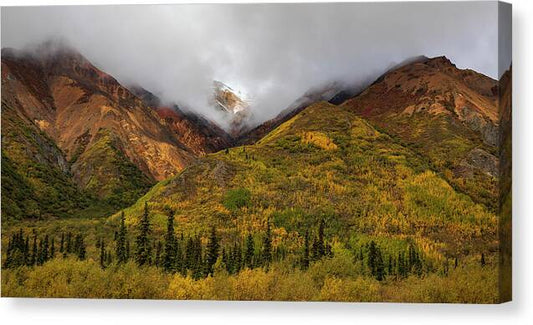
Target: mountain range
point(76, 141)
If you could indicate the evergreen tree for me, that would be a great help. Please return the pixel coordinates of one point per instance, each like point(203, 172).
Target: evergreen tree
point(250, 251)
point(373, 260)
point(415, 263)
point(143, 239)
point(80, 247)
point(212, 251)
point(109, 257)
point(121, 237)
point(446, 267)
point(170, 255)
point(198, 264)
point(40, 258)
point(266, 257)
point(402, 272)
point(237, 257)
point(158, 252)
point(319, 248)
point(34, 252)
point(62, 243)
point(69, 243)
point(27, 254)
point(52, 248)
point(17, 253)
point(178, 257)
point(128, 255)
point(305, 258)
point(102, 254)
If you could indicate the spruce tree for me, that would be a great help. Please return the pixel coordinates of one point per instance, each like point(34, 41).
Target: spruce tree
point(250, 250)
point(170, 255)
point(158, 252)
point(266, 257)
point(178, 257)
point(128, 255)
point(52, 248)
point(62, 243)
point(80, 247)
point(45, 250)
point(380, 267)
point(69, 243)
point(198, 260)
point(102, 254)
point(319, 249)
point(237, 257)
point(401, 272)
point(121, 235)
point(305, 258)
point(34, 252)
point(143, 239)
point(212, 251)
point(40, 259)
point(27, 254)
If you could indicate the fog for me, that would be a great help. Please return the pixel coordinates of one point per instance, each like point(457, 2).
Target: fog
point(270, 53)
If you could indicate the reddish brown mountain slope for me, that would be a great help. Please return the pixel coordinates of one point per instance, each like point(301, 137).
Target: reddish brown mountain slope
point(446, 114)
point(197, 133)
point(106, 133)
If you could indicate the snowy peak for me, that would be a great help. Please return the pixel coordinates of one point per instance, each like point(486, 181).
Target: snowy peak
point(227, 99)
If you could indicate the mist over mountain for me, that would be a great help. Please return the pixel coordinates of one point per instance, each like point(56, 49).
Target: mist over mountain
point(271, 54)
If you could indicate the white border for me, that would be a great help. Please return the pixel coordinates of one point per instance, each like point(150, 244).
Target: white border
point(520, 311)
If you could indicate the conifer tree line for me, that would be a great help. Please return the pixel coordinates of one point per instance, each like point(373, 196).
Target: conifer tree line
point(33, 249)
point(189, 256)
point(378, 265)
point(175, 254)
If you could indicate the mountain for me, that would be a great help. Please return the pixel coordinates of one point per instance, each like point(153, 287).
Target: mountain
point(96, 132)
point(326, 163)
point(236, 108)
point(196, 132)
point(448, 115)
point(199, 134)
point(330, 92)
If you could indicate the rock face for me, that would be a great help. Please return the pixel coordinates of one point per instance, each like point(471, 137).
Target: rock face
point(447, 114)
point(196, 132)
point(109, 139)
point(229, 101)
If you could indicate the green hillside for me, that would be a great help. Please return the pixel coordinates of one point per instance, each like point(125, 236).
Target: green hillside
point(35, 178)
point(325, 163)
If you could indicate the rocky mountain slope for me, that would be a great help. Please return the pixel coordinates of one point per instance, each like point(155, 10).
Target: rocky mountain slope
point(446, 114)
point(107, 139)
point(196, 132)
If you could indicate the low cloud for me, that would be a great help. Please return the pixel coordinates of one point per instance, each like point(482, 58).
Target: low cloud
point(273, 53)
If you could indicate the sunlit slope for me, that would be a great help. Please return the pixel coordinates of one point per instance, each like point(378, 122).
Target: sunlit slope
point(324, 163)
point(444, 113)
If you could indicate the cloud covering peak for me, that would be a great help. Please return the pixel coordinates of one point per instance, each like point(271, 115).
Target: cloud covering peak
point(272, 53)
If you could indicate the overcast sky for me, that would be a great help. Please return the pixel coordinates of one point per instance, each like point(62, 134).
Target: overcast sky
point(271, 53)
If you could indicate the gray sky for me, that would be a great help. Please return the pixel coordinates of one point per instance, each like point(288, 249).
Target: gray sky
point(272, 53)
